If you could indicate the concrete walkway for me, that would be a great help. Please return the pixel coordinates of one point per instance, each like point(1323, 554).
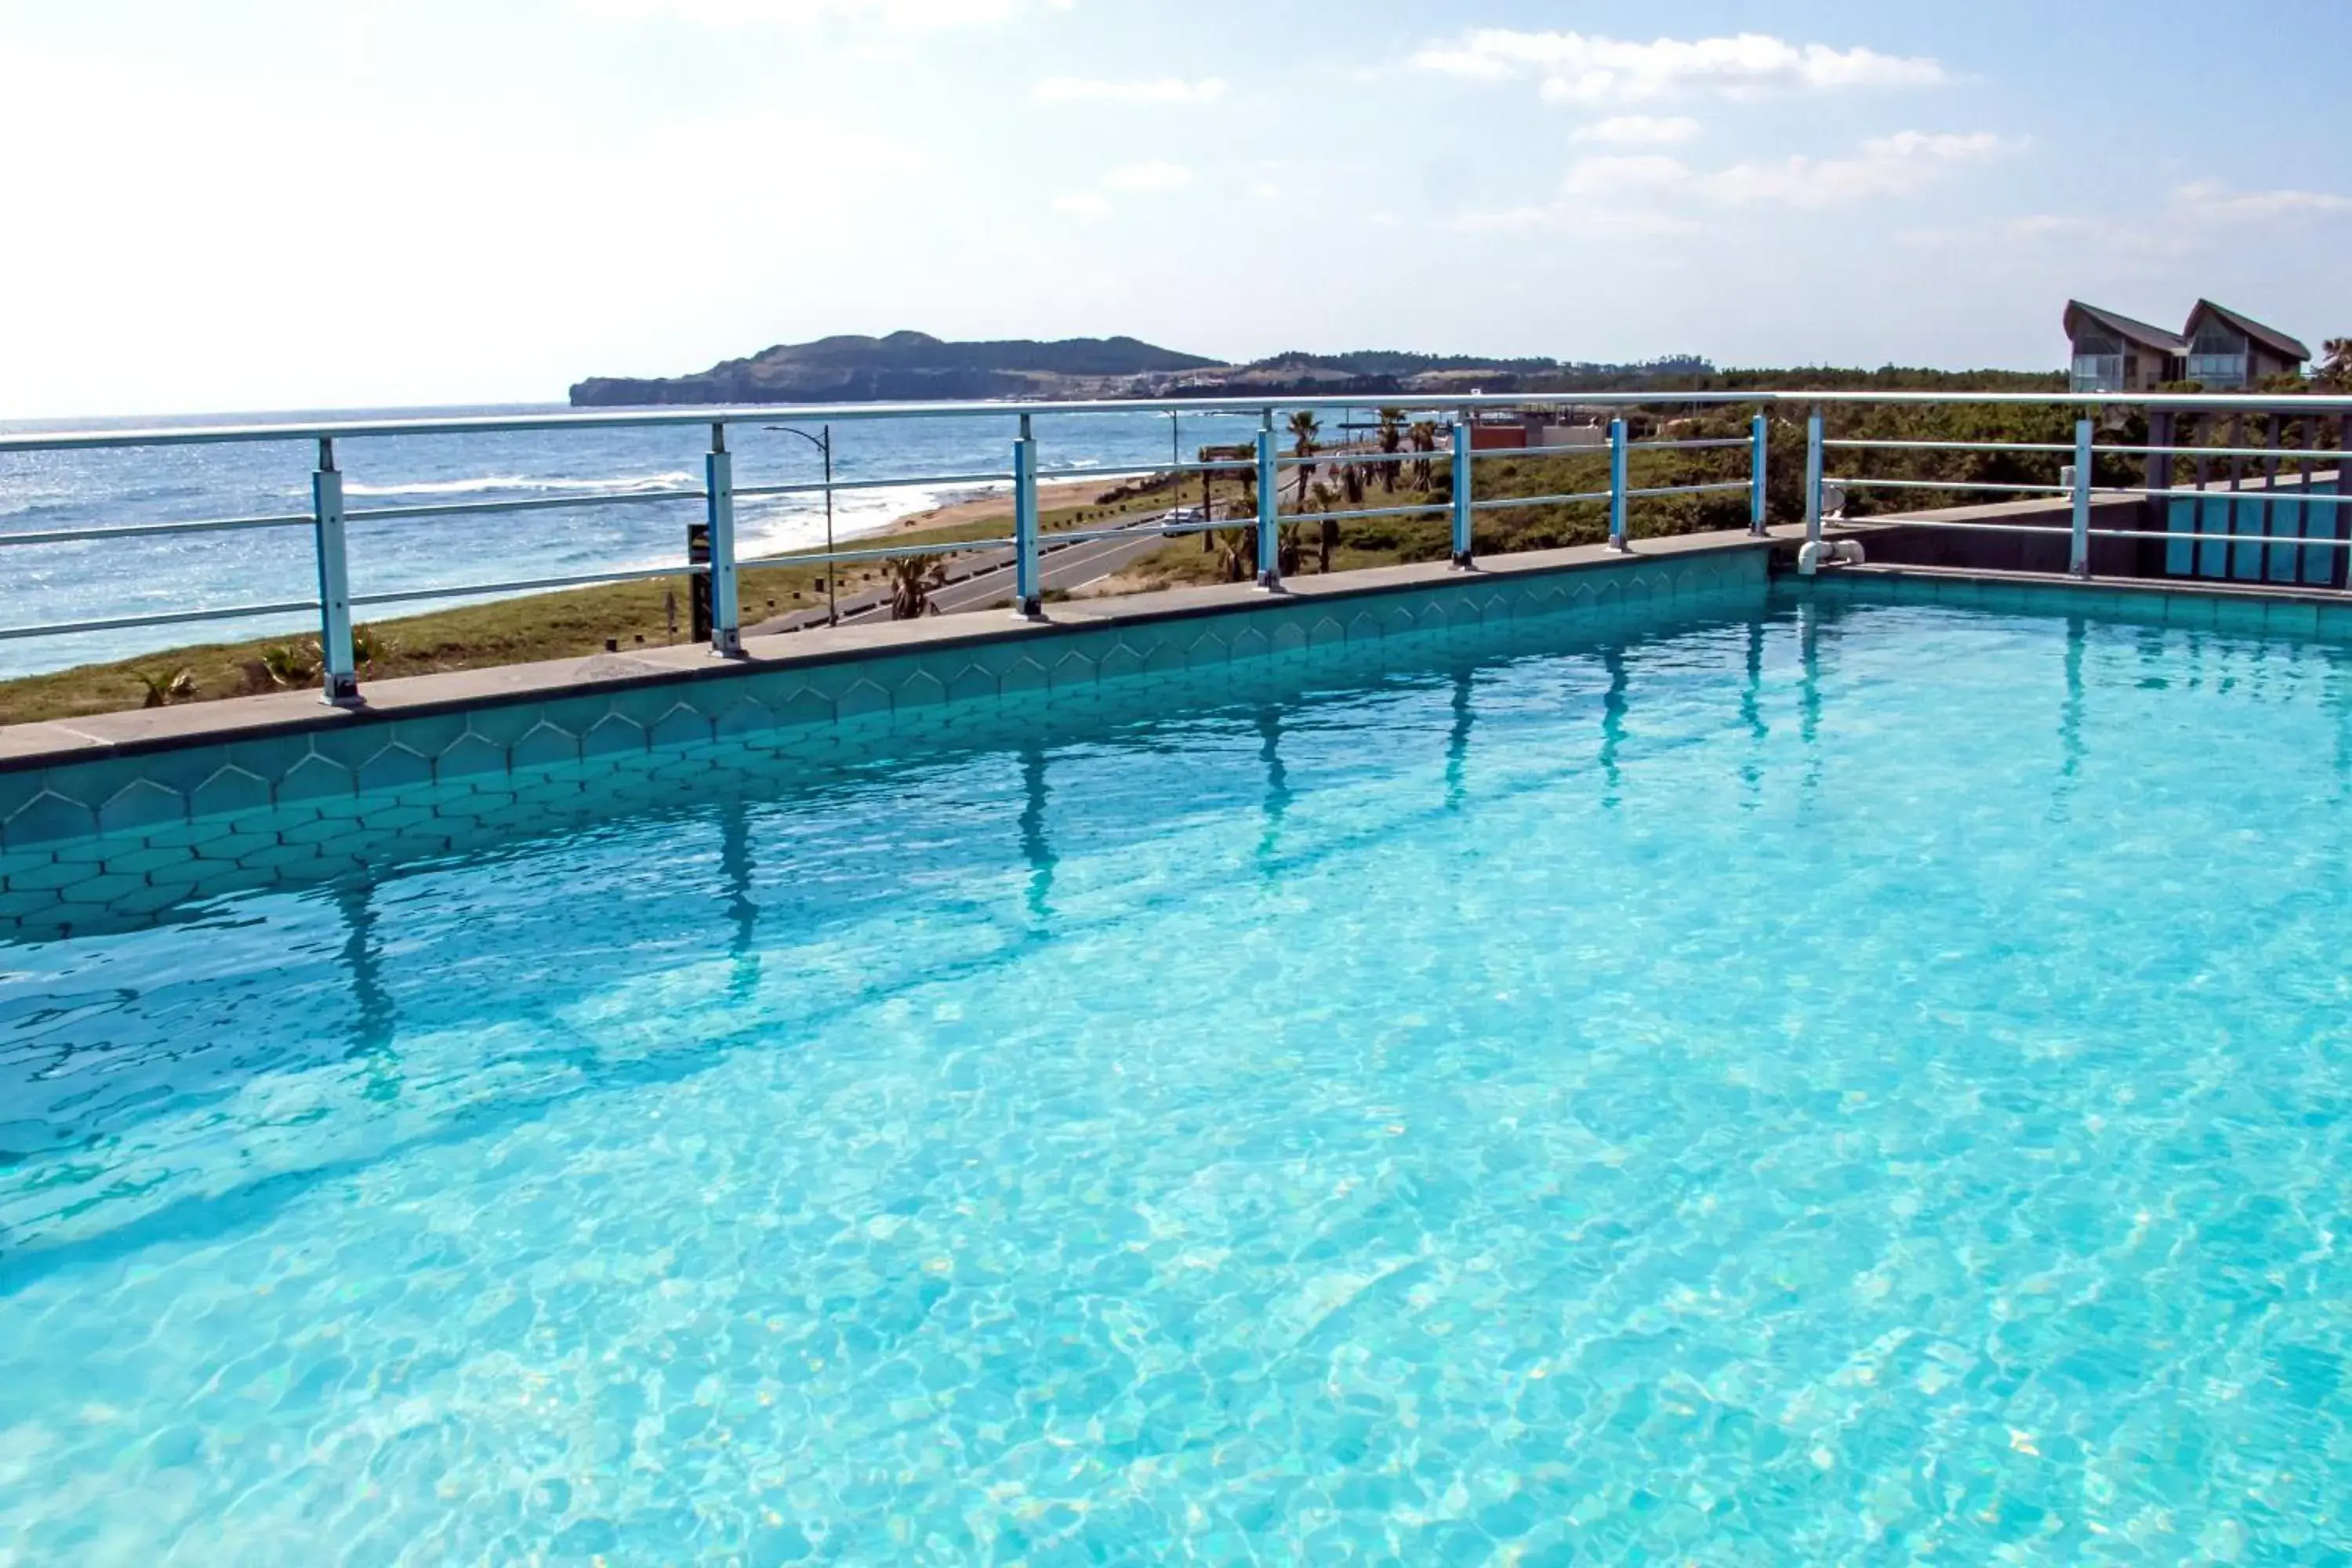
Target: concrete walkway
point(984, 579)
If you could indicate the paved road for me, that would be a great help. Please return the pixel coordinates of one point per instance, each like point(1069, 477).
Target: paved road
point(985, 579)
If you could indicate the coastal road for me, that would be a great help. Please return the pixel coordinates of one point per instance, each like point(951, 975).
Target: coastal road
point(986, 579)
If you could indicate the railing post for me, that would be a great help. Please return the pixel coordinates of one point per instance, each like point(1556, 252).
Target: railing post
point(2078, 560)
point(1813, 477)
point(726, 602)
point(1617, 485)
point(1756, 437)
point(1462, 491)
point(338, 670)
point(2155, 510)
point(1026, 603)
point(1269, 510)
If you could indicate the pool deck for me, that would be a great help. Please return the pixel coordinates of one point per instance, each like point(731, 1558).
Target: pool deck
point(51, 742)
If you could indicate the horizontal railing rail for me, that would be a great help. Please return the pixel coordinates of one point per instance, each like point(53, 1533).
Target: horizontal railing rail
point(172, 619)
point(528, 584)
point(534, 503)
point(889, 552)
point(149, 529)
point(770, 413)
point(1570, 498)
point(1468, 442)
point(2284, 498)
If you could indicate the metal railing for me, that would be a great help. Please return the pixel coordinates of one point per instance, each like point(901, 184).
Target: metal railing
point(2077, 484)
point(329, 518)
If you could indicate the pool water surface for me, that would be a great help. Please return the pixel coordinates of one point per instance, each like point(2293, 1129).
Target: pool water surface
point(1822, 1083)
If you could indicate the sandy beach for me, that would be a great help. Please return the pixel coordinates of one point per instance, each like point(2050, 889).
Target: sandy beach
point(999, 505)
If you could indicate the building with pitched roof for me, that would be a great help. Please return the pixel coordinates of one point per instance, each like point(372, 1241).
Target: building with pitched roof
point(2115, 353)
point(2219, 349)
point(2228, 350)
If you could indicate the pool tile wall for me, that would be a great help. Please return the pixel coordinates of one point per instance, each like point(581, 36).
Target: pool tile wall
point(2243, 613)
point(113, 841)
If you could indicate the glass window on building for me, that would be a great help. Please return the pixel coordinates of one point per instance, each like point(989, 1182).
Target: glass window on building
point(2218, 369)
point(2098, 373)
point(2098, 363)
point(2217, 356)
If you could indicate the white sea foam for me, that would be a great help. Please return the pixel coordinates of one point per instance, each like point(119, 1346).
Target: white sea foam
point(798, 522)
point(495, 484)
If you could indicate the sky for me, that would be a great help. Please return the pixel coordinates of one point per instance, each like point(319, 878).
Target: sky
point(248, 204)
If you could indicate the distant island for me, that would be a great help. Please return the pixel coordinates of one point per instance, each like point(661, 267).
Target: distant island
point(904, 366)
point(914, 366)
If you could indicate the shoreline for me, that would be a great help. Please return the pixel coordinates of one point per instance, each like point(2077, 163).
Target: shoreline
point(996, 504)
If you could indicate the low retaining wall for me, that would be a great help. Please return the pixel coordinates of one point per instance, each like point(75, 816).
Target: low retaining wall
point(1929, 538)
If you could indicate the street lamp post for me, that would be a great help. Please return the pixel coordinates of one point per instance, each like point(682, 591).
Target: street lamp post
point(1175, 464)
point(823, 444)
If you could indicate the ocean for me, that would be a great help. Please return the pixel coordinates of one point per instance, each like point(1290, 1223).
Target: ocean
point(43, 491)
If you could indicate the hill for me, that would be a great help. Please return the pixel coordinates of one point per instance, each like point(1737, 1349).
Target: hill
point(905, 367)
point(915, 367)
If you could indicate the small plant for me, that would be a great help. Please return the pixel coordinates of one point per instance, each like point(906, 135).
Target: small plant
point(291, 667)
point(912, 579)
point(164, 688)
point(1237, 553)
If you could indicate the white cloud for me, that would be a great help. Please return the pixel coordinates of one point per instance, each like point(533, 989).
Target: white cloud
point(2210, 201)
point(1638, 130)
point(1083, 90)
point(1576, 67)
point(1885, 166)
point(1153, 175)
point(894, 15)
point(1577, 217)
point(1608, 176)
point(1266, 191)
point(1147, 178)
point(1651, 193)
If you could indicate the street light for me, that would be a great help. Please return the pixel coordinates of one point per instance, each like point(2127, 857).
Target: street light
point(823, 444)
point(1175, 464)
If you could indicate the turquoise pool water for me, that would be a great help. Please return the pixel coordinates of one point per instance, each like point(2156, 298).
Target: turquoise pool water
point(1838, 1083)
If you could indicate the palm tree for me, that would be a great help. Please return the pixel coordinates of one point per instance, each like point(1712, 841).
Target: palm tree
point(1304, 431)
point(1392, 442)
point(1424, 440)
point(2335, 362)
point(912, 579)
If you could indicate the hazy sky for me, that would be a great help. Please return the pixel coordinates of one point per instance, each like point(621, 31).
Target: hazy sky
point(273, 204)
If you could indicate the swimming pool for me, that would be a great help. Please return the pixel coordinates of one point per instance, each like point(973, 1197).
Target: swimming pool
point(1819, 1081)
